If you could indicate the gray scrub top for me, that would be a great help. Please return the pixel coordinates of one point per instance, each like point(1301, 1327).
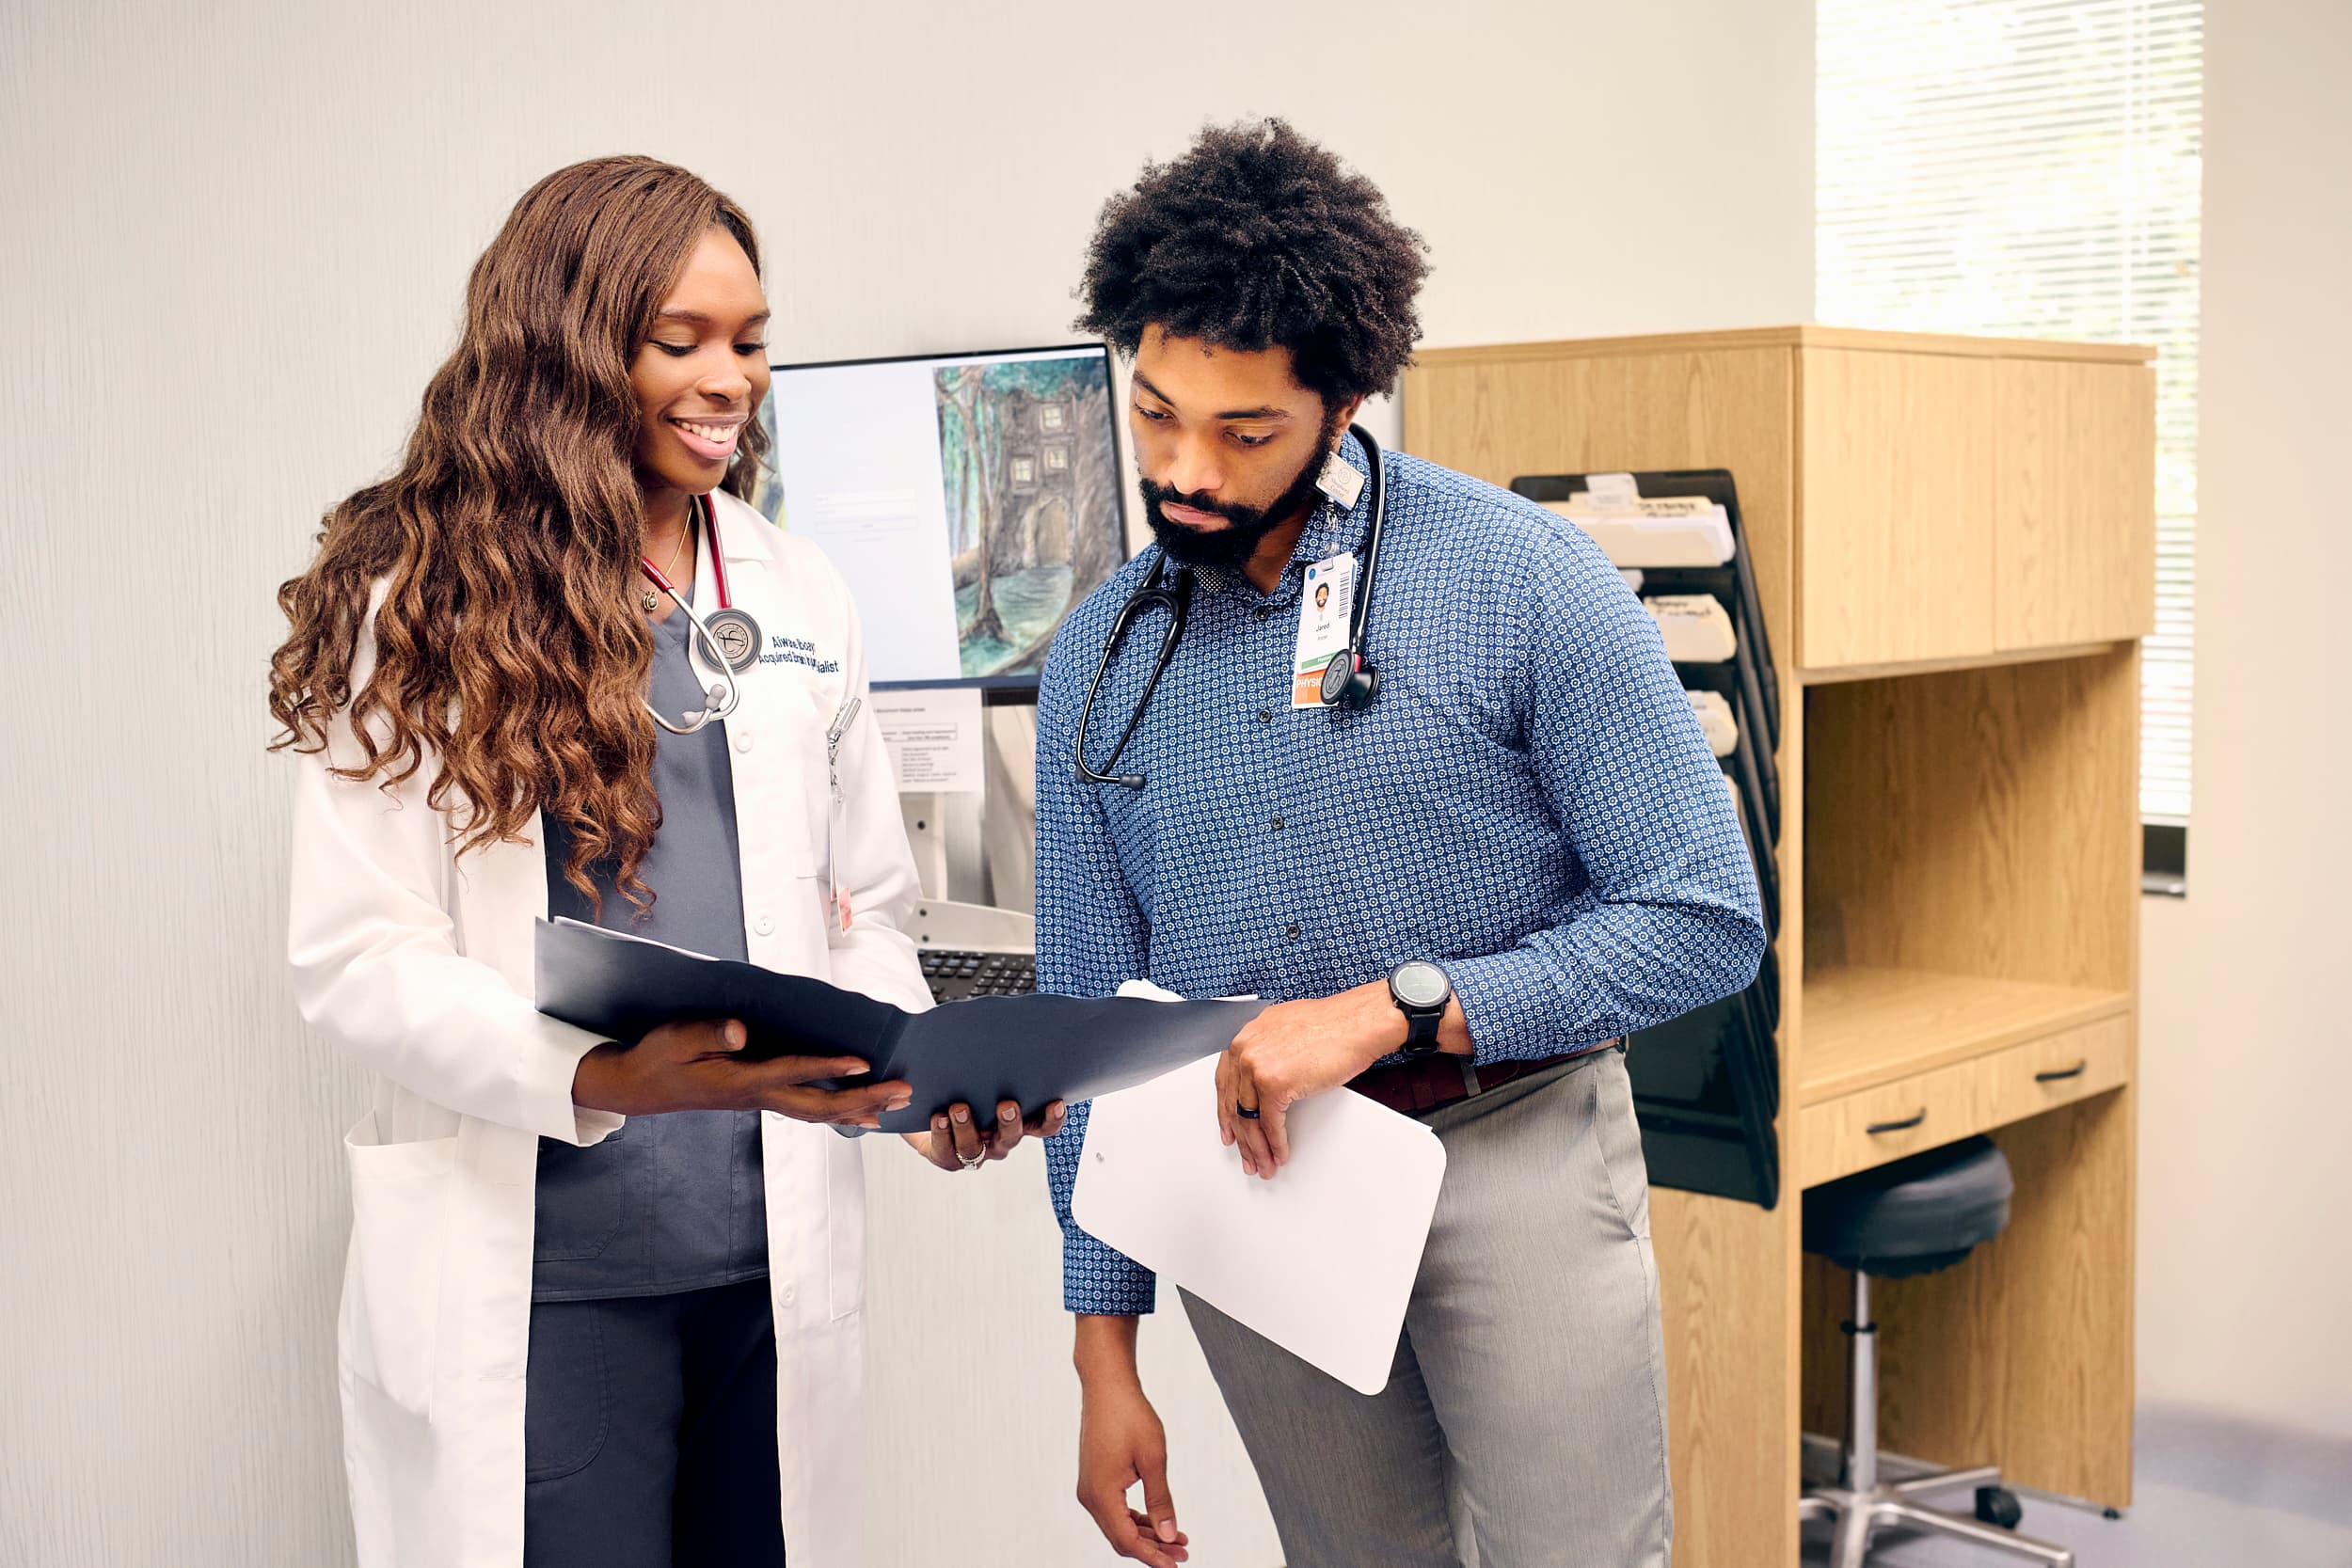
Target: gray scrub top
point(674, 1201)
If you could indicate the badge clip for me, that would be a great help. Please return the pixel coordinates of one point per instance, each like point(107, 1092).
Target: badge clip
point(1341, 480)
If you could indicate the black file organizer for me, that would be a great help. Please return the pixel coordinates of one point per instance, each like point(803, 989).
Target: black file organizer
point(1707, 1084)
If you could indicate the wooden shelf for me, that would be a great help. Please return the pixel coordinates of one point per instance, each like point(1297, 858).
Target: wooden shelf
point(1831, 674)
point(1863, 1027)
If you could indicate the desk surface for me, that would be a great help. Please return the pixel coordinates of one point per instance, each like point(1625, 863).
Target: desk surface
point(1863, 1027)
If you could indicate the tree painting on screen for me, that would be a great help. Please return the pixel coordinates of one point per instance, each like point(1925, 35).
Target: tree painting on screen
point(1027, 456)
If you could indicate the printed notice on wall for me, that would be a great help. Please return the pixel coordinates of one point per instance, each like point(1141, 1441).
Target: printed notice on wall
point(933, 738)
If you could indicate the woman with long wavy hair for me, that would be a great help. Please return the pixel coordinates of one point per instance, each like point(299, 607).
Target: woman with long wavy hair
point(603, 1298)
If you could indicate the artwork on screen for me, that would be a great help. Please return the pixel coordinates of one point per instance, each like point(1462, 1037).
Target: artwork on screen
point(972, 501)
point(1025, 453)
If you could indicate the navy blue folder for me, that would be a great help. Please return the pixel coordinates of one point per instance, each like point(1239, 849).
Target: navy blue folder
point(1032, 1049)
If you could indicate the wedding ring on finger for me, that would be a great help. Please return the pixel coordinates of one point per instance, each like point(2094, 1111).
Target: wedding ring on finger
point(971, 1162)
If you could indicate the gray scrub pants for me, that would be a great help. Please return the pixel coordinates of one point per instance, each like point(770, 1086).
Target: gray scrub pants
point(1527, 1403)
point(650, 1432)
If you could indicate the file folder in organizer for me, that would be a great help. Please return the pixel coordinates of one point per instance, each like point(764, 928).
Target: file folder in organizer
point(1736, 767)
point(1647, 542)
point(1731, 578)
point(1696, 626)
point(1751, 763)
point(1716, 722)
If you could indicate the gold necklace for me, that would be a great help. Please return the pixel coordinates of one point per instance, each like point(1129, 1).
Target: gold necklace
point(651, 598)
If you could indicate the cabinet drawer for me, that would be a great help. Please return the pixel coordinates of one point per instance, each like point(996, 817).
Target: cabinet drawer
point(2027, 1080)
point(1909, 1115)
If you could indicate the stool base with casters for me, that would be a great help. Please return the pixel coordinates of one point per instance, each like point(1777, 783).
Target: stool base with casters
point(1911, 1217)
point(1862, 1503)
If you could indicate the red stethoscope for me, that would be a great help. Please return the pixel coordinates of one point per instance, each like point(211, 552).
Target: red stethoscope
point(730, 638)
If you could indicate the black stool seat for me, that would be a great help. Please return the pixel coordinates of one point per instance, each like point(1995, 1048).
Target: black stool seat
point(1914, 1216)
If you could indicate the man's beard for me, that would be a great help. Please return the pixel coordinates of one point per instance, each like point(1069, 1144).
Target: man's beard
point(1245, 526)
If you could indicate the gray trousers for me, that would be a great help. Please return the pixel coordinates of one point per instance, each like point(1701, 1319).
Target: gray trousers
point(649, 1432)
point(1527, 1410)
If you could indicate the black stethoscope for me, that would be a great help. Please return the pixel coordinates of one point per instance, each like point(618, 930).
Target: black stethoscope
point(1349, 680)
point(730, 637)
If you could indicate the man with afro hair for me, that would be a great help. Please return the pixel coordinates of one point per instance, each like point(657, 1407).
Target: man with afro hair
point(1504, 847)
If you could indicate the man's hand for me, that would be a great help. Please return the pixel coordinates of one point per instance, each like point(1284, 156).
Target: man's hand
point(1295, 1049)
point(699, 1067)
point(958, 1142)
point(1121, 1441)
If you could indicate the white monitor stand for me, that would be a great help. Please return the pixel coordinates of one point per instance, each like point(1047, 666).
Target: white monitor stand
point(926, 835)
point(942, 922)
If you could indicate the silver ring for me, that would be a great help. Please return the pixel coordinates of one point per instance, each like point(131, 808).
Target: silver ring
point(972, 1162)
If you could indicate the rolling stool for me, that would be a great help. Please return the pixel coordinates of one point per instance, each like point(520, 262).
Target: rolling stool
point(1913, 1217)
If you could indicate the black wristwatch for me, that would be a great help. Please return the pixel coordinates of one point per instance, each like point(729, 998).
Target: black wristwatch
point(1420, 992)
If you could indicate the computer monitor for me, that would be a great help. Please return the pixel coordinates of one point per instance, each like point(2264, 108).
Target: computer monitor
point(972, 500)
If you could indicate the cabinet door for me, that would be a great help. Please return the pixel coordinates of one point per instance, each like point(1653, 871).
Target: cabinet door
point(1896, 491)
point(2075, 556)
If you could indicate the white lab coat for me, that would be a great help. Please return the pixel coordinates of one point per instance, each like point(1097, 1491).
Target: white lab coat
point(420, 962)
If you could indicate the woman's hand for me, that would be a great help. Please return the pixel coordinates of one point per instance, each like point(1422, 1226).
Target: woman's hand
point(958, 1142)
point(699, 1067)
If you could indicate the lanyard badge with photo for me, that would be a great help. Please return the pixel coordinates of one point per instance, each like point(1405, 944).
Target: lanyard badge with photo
point(1325, 604)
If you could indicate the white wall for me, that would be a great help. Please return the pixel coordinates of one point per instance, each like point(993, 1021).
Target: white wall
point(234, 242)
point(2245, 1048)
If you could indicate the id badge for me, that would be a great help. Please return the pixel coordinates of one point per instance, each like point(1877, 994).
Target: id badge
point(836, 902)
point(1325, 605)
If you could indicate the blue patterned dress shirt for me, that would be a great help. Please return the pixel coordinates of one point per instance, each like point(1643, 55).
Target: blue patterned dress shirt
point(1529, 802)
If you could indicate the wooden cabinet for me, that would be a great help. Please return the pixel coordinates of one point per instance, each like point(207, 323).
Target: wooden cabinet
point(2074, 527)
point(1954, 548)
point(1915, 500)
point(1897, 488)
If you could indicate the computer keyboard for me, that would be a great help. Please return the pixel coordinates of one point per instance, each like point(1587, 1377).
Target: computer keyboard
point(953, 977)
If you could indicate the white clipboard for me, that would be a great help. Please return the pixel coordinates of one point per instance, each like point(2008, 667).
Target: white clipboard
point(1321, 1260)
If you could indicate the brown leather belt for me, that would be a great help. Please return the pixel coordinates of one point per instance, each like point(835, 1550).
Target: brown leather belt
point(1415, 1086)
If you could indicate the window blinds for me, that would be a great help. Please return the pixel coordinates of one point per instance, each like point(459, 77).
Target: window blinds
point(2031, 168)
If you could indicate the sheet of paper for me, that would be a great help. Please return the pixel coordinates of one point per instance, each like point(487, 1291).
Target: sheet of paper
point(933, 738)
point(1321, 1260)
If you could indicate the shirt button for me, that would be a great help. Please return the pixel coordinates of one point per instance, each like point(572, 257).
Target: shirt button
point(764, 924)
point(743, 741)
point(1265, 611)
point(1291, 932)
point(1278, 824)
point(789, 1295)
point(1265, 716)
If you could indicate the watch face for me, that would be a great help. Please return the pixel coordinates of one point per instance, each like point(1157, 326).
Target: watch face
point(1421, 985)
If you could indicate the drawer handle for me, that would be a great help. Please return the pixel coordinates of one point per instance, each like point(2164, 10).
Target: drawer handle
point(1904, 1126)
point(2060, 1076)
